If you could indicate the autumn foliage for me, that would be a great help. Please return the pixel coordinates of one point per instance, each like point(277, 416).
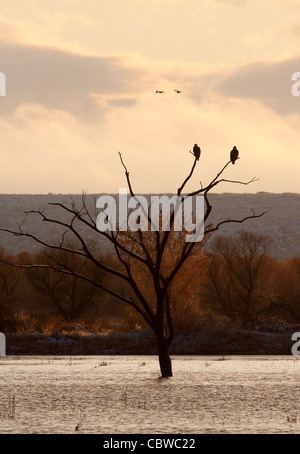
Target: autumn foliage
point(232, 278)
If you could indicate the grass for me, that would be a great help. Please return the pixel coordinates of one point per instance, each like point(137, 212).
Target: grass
point(102, 364)
point(8, 411)
point(221, 358)
point(80, 424)
point(292, 419)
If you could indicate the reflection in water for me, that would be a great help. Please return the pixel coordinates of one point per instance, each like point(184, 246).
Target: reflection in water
point(123, 394)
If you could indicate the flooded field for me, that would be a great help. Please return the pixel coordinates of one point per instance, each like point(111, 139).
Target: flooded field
point(124, 394)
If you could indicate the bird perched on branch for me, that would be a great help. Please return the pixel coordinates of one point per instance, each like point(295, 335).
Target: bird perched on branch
point(234, 154)
point(196, 151)
point(159, 91)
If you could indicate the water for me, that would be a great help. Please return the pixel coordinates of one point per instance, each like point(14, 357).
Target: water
point(124, 395)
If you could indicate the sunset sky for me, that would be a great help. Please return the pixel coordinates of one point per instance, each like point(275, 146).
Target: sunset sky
point(81, 81)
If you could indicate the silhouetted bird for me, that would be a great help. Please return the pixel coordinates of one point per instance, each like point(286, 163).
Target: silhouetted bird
point(196, 151)
point(177, 91)
point(159, 91)
point(234, 154)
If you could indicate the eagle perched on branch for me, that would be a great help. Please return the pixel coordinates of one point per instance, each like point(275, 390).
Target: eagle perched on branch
point(234, 154)
point(196, 151)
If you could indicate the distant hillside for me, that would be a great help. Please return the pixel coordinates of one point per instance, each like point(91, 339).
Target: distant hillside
point(281, 221)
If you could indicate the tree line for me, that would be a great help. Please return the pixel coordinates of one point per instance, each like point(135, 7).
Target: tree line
point(230, 276)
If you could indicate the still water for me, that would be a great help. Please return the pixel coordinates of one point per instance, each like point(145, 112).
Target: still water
point(124, 394)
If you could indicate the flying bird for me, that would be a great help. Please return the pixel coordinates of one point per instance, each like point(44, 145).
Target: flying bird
point(234, 154)
point(196, 151)
point(159, 91)
point(177, 91)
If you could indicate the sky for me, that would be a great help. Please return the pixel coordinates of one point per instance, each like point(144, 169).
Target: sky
point(81, 79)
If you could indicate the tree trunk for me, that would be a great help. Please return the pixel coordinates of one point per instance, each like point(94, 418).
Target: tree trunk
point(165, 362)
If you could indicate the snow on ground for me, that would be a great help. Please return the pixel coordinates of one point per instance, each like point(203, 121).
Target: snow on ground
point(124, 394)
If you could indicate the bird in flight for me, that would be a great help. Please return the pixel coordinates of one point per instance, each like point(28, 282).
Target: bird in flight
point(196, 151)
point(159, 91)
point(177, 91)
point(234, 154)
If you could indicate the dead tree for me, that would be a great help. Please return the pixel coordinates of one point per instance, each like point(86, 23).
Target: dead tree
point(70, 295)
point(236, 274)
point(9, 279)
point(148, 250)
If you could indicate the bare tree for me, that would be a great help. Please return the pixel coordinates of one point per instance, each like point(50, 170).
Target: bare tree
point(284, 299)
point(70, 295)
point(8, 285)
point(146, 250)
point(237, 274)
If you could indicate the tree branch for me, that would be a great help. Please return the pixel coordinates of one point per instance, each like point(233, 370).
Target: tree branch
point(239, 221)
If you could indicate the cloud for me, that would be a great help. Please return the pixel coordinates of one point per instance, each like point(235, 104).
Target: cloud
point(47, 150)
point(35, 24)
point(239, 3)
point(293, 4)
point(63, 80)
point(269, 83)
point(122, 102)
point(66, 116)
